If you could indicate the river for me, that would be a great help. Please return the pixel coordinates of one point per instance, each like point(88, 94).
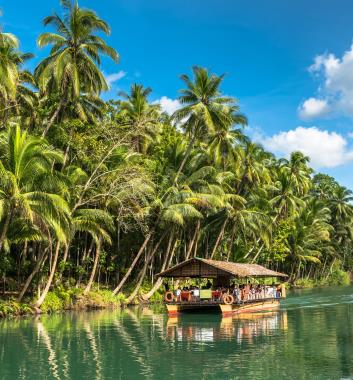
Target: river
point(311, 337)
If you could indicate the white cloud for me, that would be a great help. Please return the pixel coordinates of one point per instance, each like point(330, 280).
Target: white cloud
point(313, 108)
point(325, 149)
point(168, 105)
point(336, 89)
point(114, 77)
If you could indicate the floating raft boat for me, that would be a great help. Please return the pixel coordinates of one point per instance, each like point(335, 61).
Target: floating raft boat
point(221, 273)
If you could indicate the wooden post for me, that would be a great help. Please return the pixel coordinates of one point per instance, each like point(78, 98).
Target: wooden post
point(283, 290)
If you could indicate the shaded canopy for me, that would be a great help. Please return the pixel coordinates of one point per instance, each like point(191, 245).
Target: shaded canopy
point(197, 267)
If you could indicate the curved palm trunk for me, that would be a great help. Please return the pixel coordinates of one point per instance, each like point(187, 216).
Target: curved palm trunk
point(257, 242)
point(133, 264)
point(66, 253)
point(167, 262)
point(94, 269)
point(144, 269)
point(258, 253)
point(192, 242)
point(191, 246)
point(187, 154)
point(31, 276)
point(85, 254)
point(219, 237)
point(54, 117)
point(41, 299)
point(5, 229)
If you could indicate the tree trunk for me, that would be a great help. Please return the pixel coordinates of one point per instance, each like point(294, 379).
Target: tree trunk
point(85, 254)
point(219, 237)
point(187, 154)
point(258, 252)
point(5, 229)
point(144, 269)
point(41, 299)
point(66, 252)
point(67, 150)
point(30, 277)
point(94, 269)
point(54, 116)
point(133, 264)
point(192, 242)
point(159, 281)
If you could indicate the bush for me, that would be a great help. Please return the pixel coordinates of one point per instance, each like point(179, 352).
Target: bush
point(305, 283)
point(52, 302)
point(339, 277)
point(102, 298)
point(14, 308)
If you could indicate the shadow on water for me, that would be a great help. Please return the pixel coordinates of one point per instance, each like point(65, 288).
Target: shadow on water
point(311, 337)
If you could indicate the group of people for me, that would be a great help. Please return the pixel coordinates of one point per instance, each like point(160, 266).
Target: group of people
point(241, 293)
point(248, 292)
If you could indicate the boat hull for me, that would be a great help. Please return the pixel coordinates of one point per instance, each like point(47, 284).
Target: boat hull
point(255, 306)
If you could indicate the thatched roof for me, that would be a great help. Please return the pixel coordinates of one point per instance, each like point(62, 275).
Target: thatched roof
point(197, 267)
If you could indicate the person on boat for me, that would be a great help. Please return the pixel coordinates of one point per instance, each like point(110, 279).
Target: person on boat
point(209, 284)
point(241, 291)
point(274, 287)
point(246, 291)
point(196, 293)
point(269, 291)
point(252, 292)
point(178, 294)
point(258, 291)
point(236, 293)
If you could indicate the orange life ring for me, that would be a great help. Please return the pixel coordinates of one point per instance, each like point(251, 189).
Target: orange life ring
point(228, 299)
point(169, 297)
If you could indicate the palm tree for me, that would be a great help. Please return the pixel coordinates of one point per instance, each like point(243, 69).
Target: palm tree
point(72, 68)
point(297, 170)
point(11, 77)
point(140, 116)
point(8, 65)
point(98, 223)
point(204, 108)
point(311, 230)
point(251, 167)
point(222, 143)
point(285, 200)
point(26, 168)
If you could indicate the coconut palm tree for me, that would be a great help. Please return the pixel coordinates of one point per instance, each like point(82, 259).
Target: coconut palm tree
point(141, 117)
point(251, 167)
point(9, 60)
point(12, 91)
point(223, 140)
point(204, 109)
point(26, 173)
point(296, 168)
point(72, 68)
point(311, 230)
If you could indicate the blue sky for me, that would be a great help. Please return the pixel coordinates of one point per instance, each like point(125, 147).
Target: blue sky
point(290, 64)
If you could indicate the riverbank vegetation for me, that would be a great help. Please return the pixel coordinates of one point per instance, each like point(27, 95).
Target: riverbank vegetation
point(106, 194)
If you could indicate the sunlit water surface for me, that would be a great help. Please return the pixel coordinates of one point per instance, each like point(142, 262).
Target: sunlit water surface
point(311, 337)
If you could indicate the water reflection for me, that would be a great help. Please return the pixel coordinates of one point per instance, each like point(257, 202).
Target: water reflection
point(142, 343)
point(238, 327)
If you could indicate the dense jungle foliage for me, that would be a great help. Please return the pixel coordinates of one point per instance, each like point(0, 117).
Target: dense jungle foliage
point(109, 193)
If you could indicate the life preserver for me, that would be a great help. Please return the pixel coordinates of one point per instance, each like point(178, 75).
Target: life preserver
point(228, 299)
point(169, 297)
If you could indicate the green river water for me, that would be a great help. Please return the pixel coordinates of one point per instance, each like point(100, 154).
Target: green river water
point(311, 337)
